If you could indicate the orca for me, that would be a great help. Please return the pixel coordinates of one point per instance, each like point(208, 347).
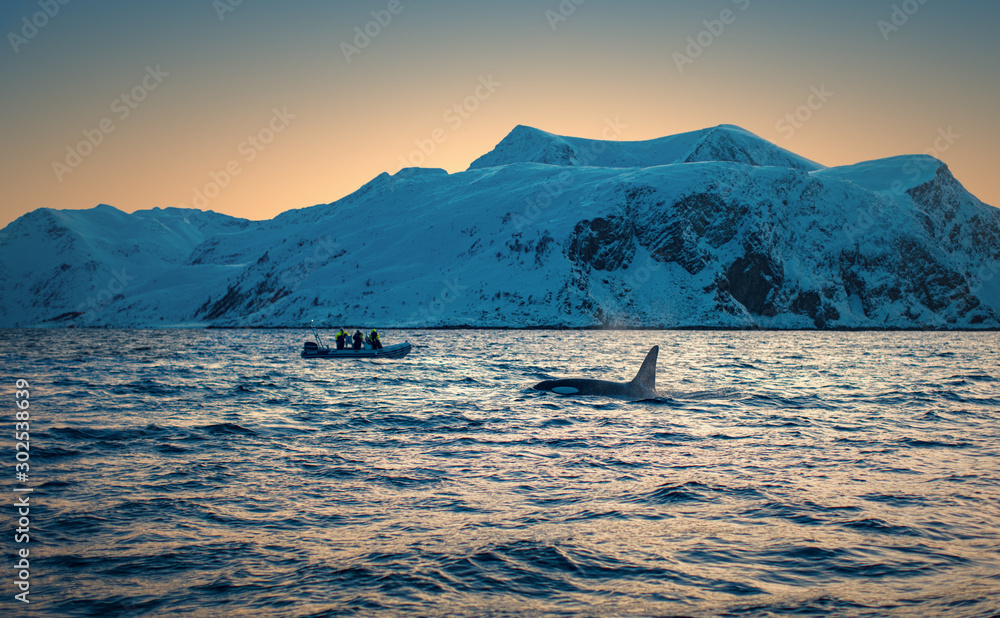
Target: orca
point(642, 386)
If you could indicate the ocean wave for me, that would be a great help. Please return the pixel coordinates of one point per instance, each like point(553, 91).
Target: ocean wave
point(850, 476)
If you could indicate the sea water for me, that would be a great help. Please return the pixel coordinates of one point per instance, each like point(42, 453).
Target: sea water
point(216, 473)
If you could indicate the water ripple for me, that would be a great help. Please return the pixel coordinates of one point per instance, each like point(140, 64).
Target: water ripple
point(217, 473)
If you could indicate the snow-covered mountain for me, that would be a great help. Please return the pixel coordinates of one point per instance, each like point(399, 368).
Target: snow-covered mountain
point(711, 228)
point(722, 143)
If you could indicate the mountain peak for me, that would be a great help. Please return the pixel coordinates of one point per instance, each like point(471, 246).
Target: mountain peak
point(725, 142)
point(891, 175)
point(526, 144)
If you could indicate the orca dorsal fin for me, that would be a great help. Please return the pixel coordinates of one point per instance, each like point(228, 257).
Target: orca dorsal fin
point(646, 378)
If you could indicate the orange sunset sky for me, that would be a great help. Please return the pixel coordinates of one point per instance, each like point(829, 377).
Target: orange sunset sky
point(254, 107)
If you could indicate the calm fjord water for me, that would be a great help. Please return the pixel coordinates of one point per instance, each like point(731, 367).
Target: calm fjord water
point(217, 473)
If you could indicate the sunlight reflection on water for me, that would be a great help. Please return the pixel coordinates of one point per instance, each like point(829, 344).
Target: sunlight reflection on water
point(217, 472)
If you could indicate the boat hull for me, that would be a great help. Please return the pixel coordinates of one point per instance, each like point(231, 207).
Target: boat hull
point(398, 350)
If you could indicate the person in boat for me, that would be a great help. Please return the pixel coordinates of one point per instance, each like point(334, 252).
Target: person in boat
point(359, 339)
point(341, 338)
point(376, 343)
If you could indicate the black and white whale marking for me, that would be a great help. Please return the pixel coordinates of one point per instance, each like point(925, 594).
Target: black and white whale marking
point(643, 386)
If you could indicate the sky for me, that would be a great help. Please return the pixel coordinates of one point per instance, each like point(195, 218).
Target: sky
point(254, 107)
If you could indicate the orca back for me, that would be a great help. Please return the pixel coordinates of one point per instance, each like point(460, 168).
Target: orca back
point(642, 386)
point(646, 378)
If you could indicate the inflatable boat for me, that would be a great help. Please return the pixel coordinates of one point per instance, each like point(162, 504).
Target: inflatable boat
point(314, 350)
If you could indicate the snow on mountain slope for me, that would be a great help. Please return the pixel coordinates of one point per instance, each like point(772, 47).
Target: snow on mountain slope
point(963, 232)
point(721, 143)
point(622, 241)
point(68, 266)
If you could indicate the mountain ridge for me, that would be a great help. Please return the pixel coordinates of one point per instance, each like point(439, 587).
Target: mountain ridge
point(721, 143)
point(563, 233)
